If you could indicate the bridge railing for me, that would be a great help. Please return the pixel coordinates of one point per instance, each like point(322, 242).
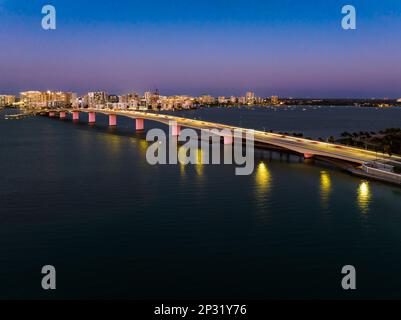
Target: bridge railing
point(381, 173)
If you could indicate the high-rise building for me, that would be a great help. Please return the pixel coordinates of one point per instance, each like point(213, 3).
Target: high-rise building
point(206, 99)
point(33, 99)
point(152, 99)
point(83, 102)
point(59, 99)
point(48, 99)
point(6, 100)
point(274, 100)
point(97, 99)
point(222, 100)
point(112, 98)
point(250, 97)
point(242, 100)
point(148, 97)
point(131, 99)
point(176, 102)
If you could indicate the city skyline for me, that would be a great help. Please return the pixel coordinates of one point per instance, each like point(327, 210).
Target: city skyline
point(283, 48)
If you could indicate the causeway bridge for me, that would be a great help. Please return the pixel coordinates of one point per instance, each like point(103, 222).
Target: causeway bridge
point(307, 148)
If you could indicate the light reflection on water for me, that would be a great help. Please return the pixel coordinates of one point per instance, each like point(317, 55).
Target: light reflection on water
point(199, 165)
point(143, 145)
point(364, 196)
point(263, 185)
point(325, 188)
point(184, 156)
point(263, 181)
point(114, 142)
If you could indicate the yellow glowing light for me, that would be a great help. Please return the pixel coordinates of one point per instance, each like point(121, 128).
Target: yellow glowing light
point(114, 143)
point(325, 187)
point(364, 196)
point(143, 145)
point(263, 178)
point(182, 153)
point(197, 156)
point(199, 163)
point(182, 169)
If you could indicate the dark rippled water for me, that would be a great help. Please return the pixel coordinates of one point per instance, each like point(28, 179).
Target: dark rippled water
point(85, 200)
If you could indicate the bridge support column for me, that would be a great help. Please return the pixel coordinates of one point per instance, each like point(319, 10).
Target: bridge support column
point(175, 129)
point(139, 124)
point(62, 114)
point(92, 117)
point(112, 120)
point(52, 114)
point(228, 140)
point(308, 155)
point(75, 115)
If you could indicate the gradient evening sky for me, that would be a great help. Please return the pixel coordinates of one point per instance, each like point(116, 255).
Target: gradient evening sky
point(290, 48)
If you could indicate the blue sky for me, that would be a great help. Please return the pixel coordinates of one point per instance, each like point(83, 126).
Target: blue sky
point(289, 48)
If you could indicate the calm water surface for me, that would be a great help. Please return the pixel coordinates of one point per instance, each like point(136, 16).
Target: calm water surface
point(84, 199)
point(312, 121)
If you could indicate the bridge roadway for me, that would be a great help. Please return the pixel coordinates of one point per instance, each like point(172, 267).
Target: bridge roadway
point(304, 146)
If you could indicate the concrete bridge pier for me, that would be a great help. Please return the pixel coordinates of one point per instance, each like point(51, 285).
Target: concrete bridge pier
point(308, 155)
point(228, 139)
point(75, 115)
point(112, 120)
point(139, 124)
point(92, 117)
point(52, 114)
point(175, 129)
point(62, 114)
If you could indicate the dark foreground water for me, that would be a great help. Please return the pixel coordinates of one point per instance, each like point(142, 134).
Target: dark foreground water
point(85, 200)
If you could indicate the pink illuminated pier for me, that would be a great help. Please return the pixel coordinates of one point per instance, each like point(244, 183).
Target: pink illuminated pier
point(52, 114)
point(75, 115)
point(62, 114)
point(112, 120)
point(175, 129)
point(92, 117)
point(228, 139)
point(139, 124)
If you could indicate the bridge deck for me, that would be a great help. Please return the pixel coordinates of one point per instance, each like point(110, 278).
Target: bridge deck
point(300, 145)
